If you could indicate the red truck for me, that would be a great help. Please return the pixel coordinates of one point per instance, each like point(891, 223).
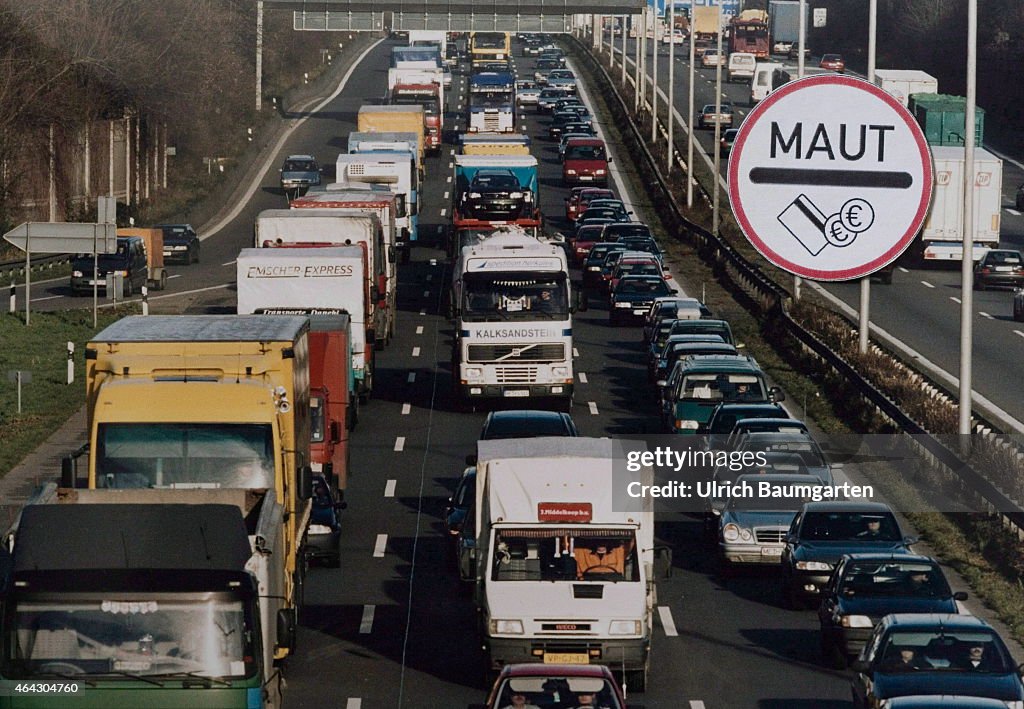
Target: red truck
point(332, 397)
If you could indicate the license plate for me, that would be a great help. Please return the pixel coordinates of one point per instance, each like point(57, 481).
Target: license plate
point(771, 551)
point(585, 178)
point(1004, 269)
point(517, 393)
point(97, 283)
point(566, 658)
point(640, 312)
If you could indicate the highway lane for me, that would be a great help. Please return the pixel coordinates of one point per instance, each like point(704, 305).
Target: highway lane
point(921, 307)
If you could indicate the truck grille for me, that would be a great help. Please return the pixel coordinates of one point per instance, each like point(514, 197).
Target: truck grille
point(516, 375)
point(492, 121)
point(356, 169)
point(517, 353)
point(769, 536)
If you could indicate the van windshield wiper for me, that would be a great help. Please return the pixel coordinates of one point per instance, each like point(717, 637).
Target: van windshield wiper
point(195, 675)
point(132, 675)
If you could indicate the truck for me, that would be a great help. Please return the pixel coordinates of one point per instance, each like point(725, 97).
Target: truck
point(784, 23)
point(333, 399)
point(184, 610)
point(204, 403)
point(510, 301)
point(942, 118)
point(494, 144)
point(706, 24)
point(496, 200)
point(488, 47)
point(425, 88)
point(395, 119)
point(387, 147)
point(941, 237)
point(901, 83)
point(545, 508)
point(428, 38)
point(421, 57)
point(748, 33)
point(361, 200)
point(492, 102)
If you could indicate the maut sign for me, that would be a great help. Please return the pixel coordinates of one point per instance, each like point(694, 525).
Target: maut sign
point(830, 178)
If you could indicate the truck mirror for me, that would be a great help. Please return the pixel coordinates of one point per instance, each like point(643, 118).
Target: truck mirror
point(391, 254)
point(67, 471)
point(335, 432)
point(305, 482)
point(286, 623)
point(471, 459)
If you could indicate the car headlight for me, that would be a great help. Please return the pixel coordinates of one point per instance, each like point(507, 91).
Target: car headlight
point(855, 621)
point(506, 627)
point(813, 566)
point(732, 532)
point(528, 196)
point(599, 171)
point(593, 268)
point(474, 195)
point(687, 425)
point(515, 195)
point(570, 172)
point(624, 627)
point(76, 274)
point(474, 372)
point(319, 529)
point(560, 372)
point(623, 305)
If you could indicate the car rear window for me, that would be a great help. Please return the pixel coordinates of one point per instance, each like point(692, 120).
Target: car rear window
point(511, 427)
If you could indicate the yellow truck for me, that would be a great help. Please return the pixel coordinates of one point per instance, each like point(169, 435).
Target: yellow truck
point(203, 403)
point(495, 144)
point(391, 119)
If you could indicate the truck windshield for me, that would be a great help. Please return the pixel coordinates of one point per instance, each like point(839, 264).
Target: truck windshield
point(564, 554)
point(115, 635)
point(500, 296)
point(482, 98)
point(180, 455)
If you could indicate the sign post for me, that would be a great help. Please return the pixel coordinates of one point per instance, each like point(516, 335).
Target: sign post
point(830, 178)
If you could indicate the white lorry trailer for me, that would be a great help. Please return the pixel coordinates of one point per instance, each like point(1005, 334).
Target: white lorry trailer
point(901, 83)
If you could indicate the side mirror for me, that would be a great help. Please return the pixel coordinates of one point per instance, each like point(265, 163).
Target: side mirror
point(305, 482)
point(335, 432)
point(792, 539)
point(67, 472)
point(661, 383)
point(775, 393)
point(861, 666)
point(911, 540)
point(960, 596)
point(391, 254)
point(471, 459)
point(609, 158)
point(286, 623)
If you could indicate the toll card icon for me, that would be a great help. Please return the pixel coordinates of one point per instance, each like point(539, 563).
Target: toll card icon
point(814, 231)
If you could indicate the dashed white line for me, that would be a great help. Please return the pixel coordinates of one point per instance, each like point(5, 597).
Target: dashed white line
point(449, 180)
point(575, 352)
point(366, 624)
point(1014, 212)
point(1018, 332)
point(583, 377)
point(49, 297)
point(447, 195)
point(423, 311)
point(354, 703)
point(230, 263)
point(426, 294)
point(378, 548)
point(593, 407)
point(400, 442)
point(696, 704)
point(406, 409)
point(440, 228)
point(444, 211)
point(983, 314)
point(415, 351)
point(176, 275)
point(903, 270)
point(954, 299)
point(411, 378)
point(452, 151)
point(451, 164)
point(667, 623)
point(419, 329)
point(389, 488)
point(926, 284)
point(430, 277)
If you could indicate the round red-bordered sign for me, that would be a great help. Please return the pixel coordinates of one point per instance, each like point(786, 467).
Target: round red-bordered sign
point(830, 177)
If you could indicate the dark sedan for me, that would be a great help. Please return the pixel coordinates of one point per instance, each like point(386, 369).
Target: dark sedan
point(181, 243)
point(527, 423)
point(595, 261)
point(456, 512)
point(867, 587)
point(823, 532)
point(920, 654)
point(633, 296)
point(999, 267)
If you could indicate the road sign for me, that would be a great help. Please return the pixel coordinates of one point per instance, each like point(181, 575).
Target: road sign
point(830, 177)
point(64, 237)
point(820, 14)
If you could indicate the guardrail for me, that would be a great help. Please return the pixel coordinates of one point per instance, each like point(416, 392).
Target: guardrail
point(40, 261)
point(773, 299)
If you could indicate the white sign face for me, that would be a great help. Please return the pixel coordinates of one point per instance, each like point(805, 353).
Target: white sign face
point(820, 13)
point(830, 178)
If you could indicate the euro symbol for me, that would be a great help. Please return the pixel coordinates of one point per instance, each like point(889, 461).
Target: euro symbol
point(836, 232)
point(857, 215)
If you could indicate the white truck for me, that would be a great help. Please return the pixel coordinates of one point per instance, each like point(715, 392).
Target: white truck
point(311, 280)
point(511, 297)
point(424, 38)
point(564, 559)
point(395, 170)
point(941, 237)
point(901, 83)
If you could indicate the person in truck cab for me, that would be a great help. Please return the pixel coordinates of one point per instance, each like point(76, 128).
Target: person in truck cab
point(543, 301)
point(601, 559)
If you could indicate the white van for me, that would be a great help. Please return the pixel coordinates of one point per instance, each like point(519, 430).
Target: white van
point(761, 84)
point(741, 66)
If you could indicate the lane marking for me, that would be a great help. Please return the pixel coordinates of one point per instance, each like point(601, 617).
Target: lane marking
point(426, 294)
point(366, 624)
point(400, 441)
point(415, 351)
point(176, 275)
point(955, 299)
point(354, 703)
point(230, 263)
point(926, 284)
point(419, 329)
point(575, 352)
point(378, 548)
point(696, 704)
point(423, 311)
point(430, 277)
point(412, 378)
point(667, 622)
point(593, 407)
point(903, 270)
point(1014, 212)
point(406, 409)
point(583, 377)
point(449, 181)
point(389, 488)
point(447, 195)
point(983, 314)
point(1018, 332)
point(444, 211)
point(452, 151)
point(451, 164)
point(49, 297)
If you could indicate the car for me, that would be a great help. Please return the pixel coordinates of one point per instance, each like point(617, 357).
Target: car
point(544, 684)
point(867, 587)
point(790, 450)
point(595, 262)
point(724, 417)
point(943, 701)
point(706, 380)
point(710, 115)
point(567, 102)
point(833, 62)
point(584, 240)
point(679, 347)
point(766, 424)
point(527, 423)
point(676, 36)
point(999, 267)
point(559, 119)
point(532, 48)
point(446, 77)
point(728, 138)
point(580, 198)
point(570, 131)
point(636, 265)
point(937, 654)
point(548, 97)
point(633, 296)
point(323, 539)
point(457, 510)
point(611, 203)
point(711, 57)
point(616, 213)
point(528, 96)
point(298, 174)
point(672, 308)
point(625, 230)
point(751, 529)
point(495, 194)
point(823, 532)
point(181, 243)
point(129, 259)
point(586, 160)
point(794, 51)
point(543, 66)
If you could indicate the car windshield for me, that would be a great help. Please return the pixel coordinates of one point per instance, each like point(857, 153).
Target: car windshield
point(557, 690)
point(564, 554)
point(802, 452)
point(948, 650)
point(495, 180)
point(299, 166)
point(850, 526)
point(893, 578)
point(585, 152)
point(724, 387)
point(628, 230)
point(589, 233)
point(642, 286)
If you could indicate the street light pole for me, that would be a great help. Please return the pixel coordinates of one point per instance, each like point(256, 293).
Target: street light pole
point(967, 263)
point(671, 80)
point(718, 126)
point(689, 128)
point(654, 79)
point(865, 283)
